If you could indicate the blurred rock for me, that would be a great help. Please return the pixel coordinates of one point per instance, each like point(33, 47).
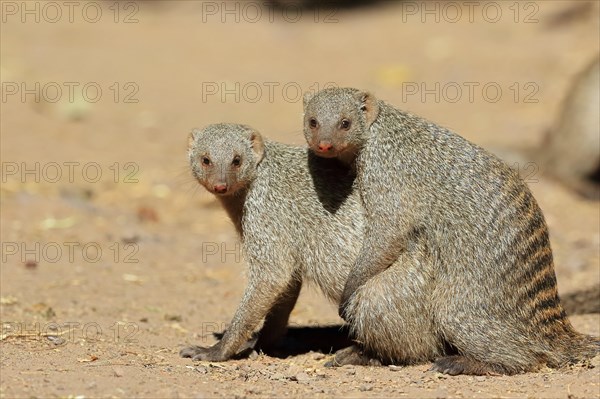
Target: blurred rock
point(581, 302)
point(147, 214)
point(571, 150)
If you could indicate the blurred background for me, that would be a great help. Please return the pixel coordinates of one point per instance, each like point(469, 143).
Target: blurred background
point(101, 220)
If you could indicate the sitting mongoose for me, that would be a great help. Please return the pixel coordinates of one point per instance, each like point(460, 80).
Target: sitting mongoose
point(571, 150)
point(485, 283)
point(298, 217)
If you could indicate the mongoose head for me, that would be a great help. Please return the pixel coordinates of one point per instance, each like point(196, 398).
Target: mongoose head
point(224, 157)
point(336, 121)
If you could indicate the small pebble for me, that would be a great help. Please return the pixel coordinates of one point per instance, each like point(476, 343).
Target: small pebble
point(147, 214)
point(301, 377)
point(56, 340)
point(130, 238)
point(365, 387)
point(31, 264)
point(293, 370)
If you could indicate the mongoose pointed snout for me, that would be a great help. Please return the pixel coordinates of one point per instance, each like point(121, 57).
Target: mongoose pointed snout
point(220, 188)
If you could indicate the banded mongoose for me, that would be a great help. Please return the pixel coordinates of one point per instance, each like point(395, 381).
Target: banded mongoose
point(571, 150)
point(482, 293)
point(298, 218)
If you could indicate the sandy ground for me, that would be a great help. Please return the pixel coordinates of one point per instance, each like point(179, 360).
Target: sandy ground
point(113, 258)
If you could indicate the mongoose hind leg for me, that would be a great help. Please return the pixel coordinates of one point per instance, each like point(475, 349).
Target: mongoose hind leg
point(352, 355)
point(455, 365)
point(390, 315)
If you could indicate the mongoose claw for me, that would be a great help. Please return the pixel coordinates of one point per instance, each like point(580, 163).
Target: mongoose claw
point(200, 353)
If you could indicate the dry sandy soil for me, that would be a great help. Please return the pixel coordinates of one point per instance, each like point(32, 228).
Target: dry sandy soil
point(113, 258)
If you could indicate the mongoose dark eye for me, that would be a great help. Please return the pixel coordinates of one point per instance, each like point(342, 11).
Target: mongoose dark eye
point(236, 161)
point(345, 124)
point(313, 123)
point(205, 161)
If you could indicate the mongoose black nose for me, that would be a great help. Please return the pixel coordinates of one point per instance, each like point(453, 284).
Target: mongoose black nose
point(220, 188)
point(325, 146)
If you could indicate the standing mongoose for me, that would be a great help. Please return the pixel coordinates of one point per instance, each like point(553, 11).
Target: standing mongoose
point(487, 287)
point(571, 150)
point(298, 217)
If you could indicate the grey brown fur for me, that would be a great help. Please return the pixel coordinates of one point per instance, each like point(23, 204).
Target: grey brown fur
point(458, 233)
point(298, 217)
point(571, 150)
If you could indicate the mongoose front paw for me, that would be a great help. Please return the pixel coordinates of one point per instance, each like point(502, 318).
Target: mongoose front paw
point(455, 365)
point(352, 355)
point(211, 354)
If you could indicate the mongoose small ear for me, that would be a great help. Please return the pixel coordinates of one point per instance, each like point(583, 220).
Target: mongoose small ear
point(192, 137)
point(307, 97)
point(258, 145)
point(368, 104)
